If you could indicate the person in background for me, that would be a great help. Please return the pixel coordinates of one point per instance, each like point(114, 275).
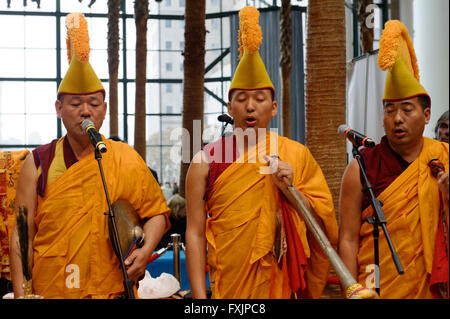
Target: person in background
point(175, 188)
point(177, 218)
point(441, 129)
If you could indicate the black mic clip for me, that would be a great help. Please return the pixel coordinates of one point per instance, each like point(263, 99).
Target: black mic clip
point(224, 118)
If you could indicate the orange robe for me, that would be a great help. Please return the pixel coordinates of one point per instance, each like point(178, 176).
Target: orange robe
point(412, 205)
point(73, 256)
point(240, 230)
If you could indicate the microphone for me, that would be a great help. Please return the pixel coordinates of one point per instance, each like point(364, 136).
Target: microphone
point(225, 118)
point(355, 137)
point(94, 136)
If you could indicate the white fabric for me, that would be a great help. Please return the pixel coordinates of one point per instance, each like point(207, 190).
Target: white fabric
point(365, 85)
point(162, 287)
point(9, 295)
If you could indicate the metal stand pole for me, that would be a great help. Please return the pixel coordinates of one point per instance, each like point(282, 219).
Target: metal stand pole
point(176, 256)
point(378, 219)
point(127, 283)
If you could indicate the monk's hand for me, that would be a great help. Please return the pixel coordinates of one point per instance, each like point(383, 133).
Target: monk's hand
point(282, 172)
point(442, 179)
point(135, 264)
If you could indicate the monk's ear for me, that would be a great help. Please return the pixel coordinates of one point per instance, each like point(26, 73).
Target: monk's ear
point(427, 113)
point(229, 109)
point(274, 108)
point(106, 109)
point(58, 108)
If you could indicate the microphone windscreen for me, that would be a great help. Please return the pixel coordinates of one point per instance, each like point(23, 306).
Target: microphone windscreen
point(86, 123)
point(342, 129)
point(225, 118)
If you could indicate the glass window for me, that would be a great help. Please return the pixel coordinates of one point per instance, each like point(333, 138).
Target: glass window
point(40, 63)
point(42, 37)
point(40, 98)
point(153, 130)
point(154, 36)
point(12, 32)
point(170, 165)
point(32, 6)
point(130, 40)
point(175, 100)
point(210, 57)
point(36, 132)
point(154, 160)
point(154, 65)
point(99, 61)
point(213, 102)
point(170, 125)
point(83, 7)
point(153, 96)
point(168, 61)
point(212, 128)
point(131, 64)
point(98, 32)
point(12, 129)
point(129, 6)
point(30, 68)
point(12, 97)
point(12, 63)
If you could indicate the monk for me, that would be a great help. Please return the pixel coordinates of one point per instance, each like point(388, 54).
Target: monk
point(241, 220)
point(415, 203)
point(61, 187)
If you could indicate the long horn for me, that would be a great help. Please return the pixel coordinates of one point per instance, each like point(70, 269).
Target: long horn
point(22, 230)
point(353, 290)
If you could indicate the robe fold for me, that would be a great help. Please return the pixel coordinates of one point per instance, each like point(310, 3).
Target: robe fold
point(242, 205)
point(73, 256)
point(412, 205)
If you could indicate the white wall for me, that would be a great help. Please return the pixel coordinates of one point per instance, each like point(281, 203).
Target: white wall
point(430, 37)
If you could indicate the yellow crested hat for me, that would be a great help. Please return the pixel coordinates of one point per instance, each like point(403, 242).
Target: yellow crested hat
point(80, 77)
point(250, 73)
point(397, 56)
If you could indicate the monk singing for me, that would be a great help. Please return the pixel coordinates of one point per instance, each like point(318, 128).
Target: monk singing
point(415, 203)
point(240, 216)
point(61, 187)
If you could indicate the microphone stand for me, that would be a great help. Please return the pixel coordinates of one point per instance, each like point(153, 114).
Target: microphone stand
point(127, 283)
point(223, 129)
point(377, 220)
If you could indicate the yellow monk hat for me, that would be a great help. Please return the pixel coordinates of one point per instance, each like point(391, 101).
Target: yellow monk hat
point(250, 74)
point(80, 77)
point(397, 56)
